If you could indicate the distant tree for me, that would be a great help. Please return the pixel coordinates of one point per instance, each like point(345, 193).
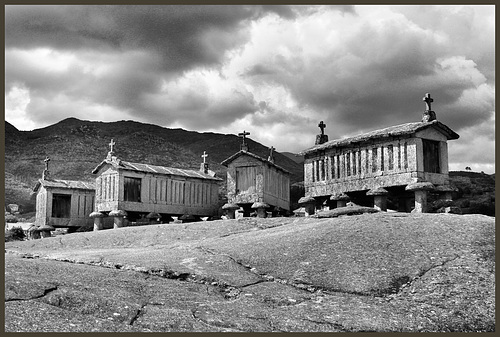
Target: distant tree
point(14, 234)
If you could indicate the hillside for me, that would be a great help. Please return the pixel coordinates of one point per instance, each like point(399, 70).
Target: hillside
point(384, 272)
point(76, 147)
point(476, 192)
point(295, 157)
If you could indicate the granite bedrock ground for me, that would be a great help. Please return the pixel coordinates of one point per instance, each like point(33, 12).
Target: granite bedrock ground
point(369, 272)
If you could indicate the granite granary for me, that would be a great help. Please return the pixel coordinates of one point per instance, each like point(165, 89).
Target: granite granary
point(63, 203)
point(255, 184)
point(400, 162)
point(130, 193)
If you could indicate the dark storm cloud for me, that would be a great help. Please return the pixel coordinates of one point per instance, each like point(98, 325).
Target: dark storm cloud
point(184, 36)
point(286, 67)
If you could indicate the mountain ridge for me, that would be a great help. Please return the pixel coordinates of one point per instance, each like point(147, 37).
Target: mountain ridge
point(76, 147)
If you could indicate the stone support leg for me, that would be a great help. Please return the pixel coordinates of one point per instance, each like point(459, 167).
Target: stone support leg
point(98, 224)
point(380, 202)
point(231, 213)
point(420, 202)
point(261, 212)
point(117, 222)
point(45, 234)
point(341, 203)
point(309, 208)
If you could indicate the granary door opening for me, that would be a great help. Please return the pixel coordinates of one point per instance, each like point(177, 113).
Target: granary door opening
point(431, 156)
point(245, 179)
point(132, 189)
point(61, 205)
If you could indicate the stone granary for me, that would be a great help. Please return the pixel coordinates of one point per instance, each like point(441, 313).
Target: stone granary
point(63, 203)
point(400, 162)
point(256, 184)
point(127, 192)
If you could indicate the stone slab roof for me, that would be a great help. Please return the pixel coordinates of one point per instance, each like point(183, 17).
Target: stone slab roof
point(253, 155)
point(162, 170)
point(65, 184)
point(393, 131)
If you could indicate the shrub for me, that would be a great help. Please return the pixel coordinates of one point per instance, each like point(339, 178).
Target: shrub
point(14, 234)
point(482, 208)
point(464, 203)
point(10, 218)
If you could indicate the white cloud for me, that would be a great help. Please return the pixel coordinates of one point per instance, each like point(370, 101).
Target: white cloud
point(475, 148)
point(16, 101)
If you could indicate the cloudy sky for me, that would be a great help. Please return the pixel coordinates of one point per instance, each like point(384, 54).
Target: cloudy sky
point(275, 71)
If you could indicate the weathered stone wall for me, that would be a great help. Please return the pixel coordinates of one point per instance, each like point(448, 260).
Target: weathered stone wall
point(245, 165)
point(82, 204)
point(391, 162)
point(159, 193)
point(364, 166)
point(276, 187)
point(432, 134)
point(271, 185)
point(42, 216)
point(109, 190)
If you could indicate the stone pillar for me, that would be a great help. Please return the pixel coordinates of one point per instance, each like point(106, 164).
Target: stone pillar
point(420, 190)
point(261, 208)
point(118, 218)
point(45, 234)
point(420, 201)
point(153, 218)
point(309, 204)
point(379, 198)
point(97, 216)
point(380, 202)
point(445, 192)
point(230, 210)
point(341, 199)
point(45, 231)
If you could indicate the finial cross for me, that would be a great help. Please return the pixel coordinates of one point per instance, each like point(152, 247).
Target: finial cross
point(243, 134)
point(322, 126)
point(428, 100)
point(46, 160)
point(204, 156)
point(271, 154)
point(111, 144)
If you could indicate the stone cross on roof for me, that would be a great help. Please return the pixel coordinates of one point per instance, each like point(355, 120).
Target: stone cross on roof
point(204, 156)
point(243, 134)
point(428, 100)
point(46, 160)
point(271, 154)
point(111, 145)
point(322, 126)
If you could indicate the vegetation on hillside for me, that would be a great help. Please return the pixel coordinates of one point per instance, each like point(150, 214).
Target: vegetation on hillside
point(76, 147)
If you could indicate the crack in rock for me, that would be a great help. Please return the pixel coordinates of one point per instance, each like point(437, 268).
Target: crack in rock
point(398, 284)
point(337, 326)
point(217, 326)
point(45, 293)
point(270, 278)
point(139, 312)
point(425, 271)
